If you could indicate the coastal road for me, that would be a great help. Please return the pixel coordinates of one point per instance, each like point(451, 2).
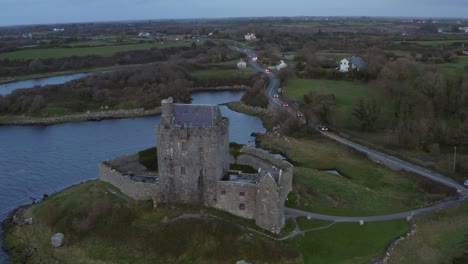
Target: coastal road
point(400, 164)
point(389, 160)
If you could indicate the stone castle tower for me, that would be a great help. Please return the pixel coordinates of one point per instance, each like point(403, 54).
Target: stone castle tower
point(193, 152)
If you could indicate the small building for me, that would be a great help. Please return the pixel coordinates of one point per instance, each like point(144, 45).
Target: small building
point(58, 29)
point(281, 65)
point(27, 35)
point(352, 63)
point(250, 37)
point(241, 64)
point(144, 34)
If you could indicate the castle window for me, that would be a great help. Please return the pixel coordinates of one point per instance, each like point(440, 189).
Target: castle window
point(182, 170)
point(241, 194)
point(184, 146)
point(241, 206)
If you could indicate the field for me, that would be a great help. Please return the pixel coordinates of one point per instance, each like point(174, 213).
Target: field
point(455, 68)
point(435, 43)
point(349, 243)
point(100, 227)
point(441, 237)
point(205, 74)
point(346, 93)
point(105, 51)
point(365, 188)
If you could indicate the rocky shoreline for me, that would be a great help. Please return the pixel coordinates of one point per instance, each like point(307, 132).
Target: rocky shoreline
point(88, 116)
point(102, 115)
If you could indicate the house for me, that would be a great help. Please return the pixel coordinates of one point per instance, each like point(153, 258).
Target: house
point(352, 63)
point(241, 64)
point(58, 29)
point(144, 34)
point(250, 37)
point(281, 65)
point(463, 29)
point(27, 35)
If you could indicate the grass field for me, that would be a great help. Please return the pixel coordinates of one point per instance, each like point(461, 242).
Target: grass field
point(434, 43)
point(67, 52)
point(455, 68)
point(204, 74)
point(346, 93)
point(441, 237)
point(367, 188)
point(100, 227)
point(349, 242)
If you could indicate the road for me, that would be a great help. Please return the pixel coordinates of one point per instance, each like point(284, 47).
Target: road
point(394, 162)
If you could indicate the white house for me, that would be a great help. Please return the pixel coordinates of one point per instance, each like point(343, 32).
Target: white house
point(250, 37)
point(281, 65)
point(464, 29)
point(241, 64)
point(352, 63)
point(58, 29)
point(144, 34)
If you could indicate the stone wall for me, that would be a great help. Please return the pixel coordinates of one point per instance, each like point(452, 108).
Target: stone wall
point(269, 211)
point(237, 198)
point(134, 189)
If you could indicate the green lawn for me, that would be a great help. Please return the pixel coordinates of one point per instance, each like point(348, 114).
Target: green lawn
point(349, 242)
point(67, 52)
point(441, 237)
point(204, 74)
point(367, 188)
point(346, 92)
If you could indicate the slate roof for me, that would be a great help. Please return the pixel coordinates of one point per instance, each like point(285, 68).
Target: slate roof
point(196, 115)
point(356, 61)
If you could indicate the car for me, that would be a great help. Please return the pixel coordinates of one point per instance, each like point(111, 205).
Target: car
point(285, 104)
point(267, 70)
point(465, 183)
point(323, 128)
point(254, 58)
point(275, 96)
point(299, 114)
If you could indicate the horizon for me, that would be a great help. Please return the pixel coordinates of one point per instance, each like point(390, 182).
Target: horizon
point(234, 18)
point(49, 12)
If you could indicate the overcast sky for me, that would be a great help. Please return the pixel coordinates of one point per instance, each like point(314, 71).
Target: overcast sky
point(18, 12)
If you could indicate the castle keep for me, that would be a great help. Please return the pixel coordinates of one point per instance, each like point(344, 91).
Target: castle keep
point(193, 168)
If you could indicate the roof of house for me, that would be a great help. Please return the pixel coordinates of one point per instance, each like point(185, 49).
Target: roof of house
point(196, 115)
point(356, 61)
point(280, 62)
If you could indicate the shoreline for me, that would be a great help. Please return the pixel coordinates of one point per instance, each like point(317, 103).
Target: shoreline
point(102, 115)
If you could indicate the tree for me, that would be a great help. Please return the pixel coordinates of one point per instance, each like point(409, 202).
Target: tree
point(37, 103)
point(318, 107)
point(366, 112)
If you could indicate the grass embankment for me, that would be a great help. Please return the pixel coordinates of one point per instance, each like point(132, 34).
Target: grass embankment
point(105, 51)
point(441, 237)
point(435, 43)
point(346, 93)
point(242, 108)
point(99, 228)
point(367, 188)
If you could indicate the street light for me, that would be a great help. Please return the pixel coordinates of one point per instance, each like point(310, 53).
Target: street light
point(454, 159)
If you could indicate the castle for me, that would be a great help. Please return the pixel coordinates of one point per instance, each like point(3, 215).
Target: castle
point(193, 168)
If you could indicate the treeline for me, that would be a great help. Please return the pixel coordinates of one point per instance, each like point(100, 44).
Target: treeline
point(138, 88)
point(142, 87)
point(209, 52)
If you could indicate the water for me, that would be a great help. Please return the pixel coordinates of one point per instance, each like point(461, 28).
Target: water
point(43, 160)
point(7, 88)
